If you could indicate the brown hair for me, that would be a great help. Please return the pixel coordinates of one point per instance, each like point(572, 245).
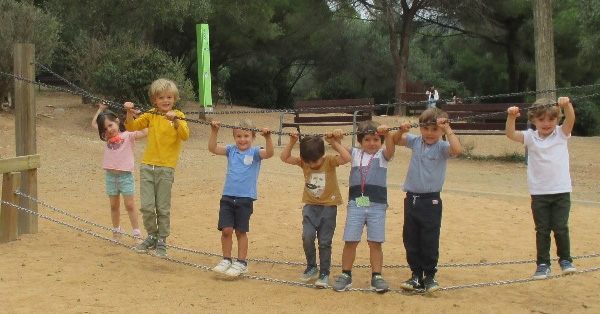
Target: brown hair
point(312, 148)
point(551, 111)
point(368, 127)
point(431, 115)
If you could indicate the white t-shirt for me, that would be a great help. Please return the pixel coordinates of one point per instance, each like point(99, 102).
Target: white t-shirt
point(548, 162)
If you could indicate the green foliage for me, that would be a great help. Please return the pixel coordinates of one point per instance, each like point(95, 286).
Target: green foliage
point(123, 70)
point(587, 118)
point(253, 84)
point(24, 23)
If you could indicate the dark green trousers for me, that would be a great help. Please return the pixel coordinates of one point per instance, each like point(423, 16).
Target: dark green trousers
point(551, 213)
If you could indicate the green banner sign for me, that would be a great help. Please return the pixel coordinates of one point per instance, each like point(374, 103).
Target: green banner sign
point(204, 77)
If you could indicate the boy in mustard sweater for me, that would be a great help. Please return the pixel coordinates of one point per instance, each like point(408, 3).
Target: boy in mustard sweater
point(166, 131)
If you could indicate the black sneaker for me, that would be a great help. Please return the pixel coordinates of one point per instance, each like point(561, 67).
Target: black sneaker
point(431, 285)
point(415, 283)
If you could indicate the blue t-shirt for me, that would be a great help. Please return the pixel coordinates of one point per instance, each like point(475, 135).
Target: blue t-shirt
point(427, 168)
point(242, 172)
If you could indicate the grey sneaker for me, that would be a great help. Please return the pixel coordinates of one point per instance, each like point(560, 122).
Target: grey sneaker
point(322, 282)
point(378, 284)
point(415, 283)
point(567, 267)
point(309, 273)
point(161, 248)
point(431, 285)
point(148, 244)
point(342, 283)
point(541, 272)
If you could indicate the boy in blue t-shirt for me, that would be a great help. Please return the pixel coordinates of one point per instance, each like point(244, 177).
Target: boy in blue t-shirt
point(239, 192)
point(423, 205)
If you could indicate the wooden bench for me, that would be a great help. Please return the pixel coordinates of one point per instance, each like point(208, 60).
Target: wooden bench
point(487, 125)
point(413, 109)
point(335, 112)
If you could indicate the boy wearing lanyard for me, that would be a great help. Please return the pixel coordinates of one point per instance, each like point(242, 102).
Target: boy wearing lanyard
point(367, 202)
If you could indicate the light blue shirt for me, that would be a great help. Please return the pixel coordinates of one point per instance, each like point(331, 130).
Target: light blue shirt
point(242, 172)
point(427, 168)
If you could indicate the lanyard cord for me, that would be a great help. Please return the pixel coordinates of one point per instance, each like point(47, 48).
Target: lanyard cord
point(363, 178)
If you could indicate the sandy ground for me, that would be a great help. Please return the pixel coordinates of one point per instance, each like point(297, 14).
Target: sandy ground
point(486, 219)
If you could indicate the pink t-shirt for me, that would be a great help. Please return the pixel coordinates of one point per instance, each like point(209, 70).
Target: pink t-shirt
point(118, 154)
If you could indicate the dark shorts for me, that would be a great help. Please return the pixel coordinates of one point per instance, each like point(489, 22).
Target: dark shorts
point(235, 212)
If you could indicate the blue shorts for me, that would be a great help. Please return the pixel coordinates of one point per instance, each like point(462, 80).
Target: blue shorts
point(372, 216)
point(235, 212)
point(122, 183)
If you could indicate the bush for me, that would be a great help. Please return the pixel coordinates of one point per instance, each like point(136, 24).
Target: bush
point(22, 22)
point(587, 118)
point(123, 70)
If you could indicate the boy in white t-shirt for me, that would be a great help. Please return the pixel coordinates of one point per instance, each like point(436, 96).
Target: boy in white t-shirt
point(548, 177)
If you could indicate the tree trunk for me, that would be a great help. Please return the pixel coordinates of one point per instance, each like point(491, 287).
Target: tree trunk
point(544, 48)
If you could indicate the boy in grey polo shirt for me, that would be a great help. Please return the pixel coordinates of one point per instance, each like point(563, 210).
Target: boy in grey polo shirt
point(423, 205)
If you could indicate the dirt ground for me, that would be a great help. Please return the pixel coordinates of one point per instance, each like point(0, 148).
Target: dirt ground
point(486, 219)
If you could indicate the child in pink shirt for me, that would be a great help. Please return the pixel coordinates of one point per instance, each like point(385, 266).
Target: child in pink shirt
point(119, 165)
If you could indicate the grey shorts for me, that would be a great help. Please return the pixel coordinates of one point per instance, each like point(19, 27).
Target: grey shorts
point(372, 216)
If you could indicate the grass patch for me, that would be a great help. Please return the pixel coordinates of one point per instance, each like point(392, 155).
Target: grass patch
point(508, 157)
point(513, 157)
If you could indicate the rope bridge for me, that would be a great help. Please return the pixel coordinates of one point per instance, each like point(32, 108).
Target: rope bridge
point(276, 262)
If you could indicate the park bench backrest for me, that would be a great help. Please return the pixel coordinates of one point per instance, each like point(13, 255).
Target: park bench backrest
point(333, 112)
point(492, 125)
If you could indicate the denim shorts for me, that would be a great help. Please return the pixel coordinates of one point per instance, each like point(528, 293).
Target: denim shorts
point(122, 183)
point(372, 216)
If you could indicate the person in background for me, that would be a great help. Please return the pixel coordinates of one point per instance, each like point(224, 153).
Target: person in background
point(432, 96)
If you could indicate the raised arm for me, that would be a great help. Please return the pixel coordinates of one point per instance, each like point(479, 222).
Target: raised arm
point(129, 109)
point(455, 148)
point(511, 132)
point(101, 108)
point(212, 140)
point(286, 154)
point(567, 106)
point(398, 136)
point(141, 134)
point(335, 140)
point(390, 147)
point(268, 151)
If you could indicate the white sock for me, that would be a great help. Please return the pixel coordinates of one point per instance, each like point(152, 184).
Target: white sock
point(137, 232)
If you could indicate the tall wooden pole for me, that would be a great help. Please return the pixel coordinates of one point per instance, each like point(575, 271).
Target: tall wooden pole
point(24, 58)
point(544, 48)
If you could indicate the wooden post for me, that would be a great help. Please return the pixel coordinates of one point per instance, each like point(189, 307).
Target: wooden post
point(543, 31)
point(9, 214)
point(24, 66)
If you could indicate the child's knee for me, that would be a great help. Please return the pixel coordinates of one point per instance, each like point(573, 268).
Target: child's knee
point(227, 232)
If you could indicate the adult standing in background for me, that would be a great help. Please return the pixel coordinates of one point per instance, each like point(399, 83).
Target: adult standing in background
point(432, 96)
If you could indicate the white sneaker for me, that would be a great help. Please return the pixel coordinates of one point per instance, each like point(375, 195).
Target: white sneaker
point(223, 266)
point(236, 269)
